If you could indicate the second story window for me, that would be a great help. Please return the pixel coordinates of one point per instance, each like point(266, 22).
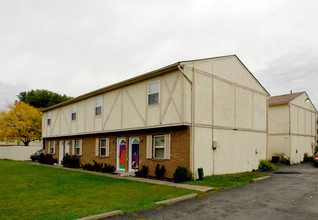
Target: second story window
point(98, 106)
point(74, 110)
point(49, 114)
point(153, 92)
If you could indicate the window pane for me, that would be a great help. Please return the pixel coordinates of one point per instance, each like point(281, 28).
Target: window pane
point(159, 152)
point(153, 86)
point(74, 108)
point(103, 151)
point(98, 110)
point(77, 151)
point(153, 98)
point(73, 116)
point(98, 102)
point(159, 141)
point(102, 143)
point(49, 121)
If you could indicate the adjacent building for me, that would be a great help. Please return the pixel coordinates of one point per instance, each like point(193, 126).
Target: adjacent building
point(209, 113)
point(292, 131)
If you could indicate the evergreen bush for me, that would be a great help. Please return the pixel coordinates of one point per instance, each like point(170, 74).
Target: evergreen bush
point(264, 165)
point(143, 172)
point(159, 172)
point(181, 174)
point(70, 161)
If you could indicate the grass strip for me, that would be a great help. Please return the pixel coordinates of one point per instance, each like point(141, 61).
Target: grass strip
point(38, 192)
point(222, 182)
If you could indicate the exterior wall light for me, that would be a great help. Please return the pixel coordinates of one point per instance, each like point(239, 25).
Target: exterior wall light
point(307, 100)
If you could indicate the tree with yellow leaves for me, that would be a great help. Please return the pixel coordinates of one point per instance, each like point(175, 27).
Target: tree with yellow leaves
point(21, 123)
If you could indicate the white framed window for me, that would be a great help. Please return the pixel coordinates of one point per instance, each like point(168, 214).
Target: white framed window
point(52, 147)
point(49, 114)
point(98, 106)
point(78, 147)
point(159, 146)
point(102, 147)
point(153, 92)
point(74, 110)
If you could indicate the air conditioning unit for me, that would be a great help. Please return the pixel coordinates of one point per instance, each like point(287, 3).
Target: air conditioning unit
point(276, 159)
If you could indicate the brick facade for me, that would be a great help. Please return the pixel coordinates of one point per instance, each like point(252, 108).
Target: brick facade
point(179, 148)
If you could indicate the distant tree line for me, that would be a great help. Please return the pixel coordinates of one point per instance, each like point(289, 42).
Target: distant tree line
point(42, 98)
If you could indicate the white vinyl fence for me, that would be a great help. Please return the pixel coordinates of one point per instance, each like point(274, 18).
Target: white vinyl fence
point(18, 152)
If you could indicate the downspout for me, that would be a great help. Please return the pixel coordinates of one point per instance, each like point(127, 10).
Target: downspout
point(192, 116)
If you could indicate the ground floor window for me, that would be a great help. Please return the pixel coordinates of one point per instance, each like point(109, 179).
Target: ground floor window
point(159, 146)
point(102, 147)
point(52, 147)
point(78, 147)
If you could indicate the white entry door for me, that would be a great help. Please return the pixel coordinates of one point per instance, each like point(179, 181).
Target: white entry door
point(67, 147)
point(61, 151)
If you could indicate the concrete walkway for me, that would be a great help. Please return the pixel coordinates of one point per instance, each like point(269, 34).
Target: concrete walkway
point(145, 180)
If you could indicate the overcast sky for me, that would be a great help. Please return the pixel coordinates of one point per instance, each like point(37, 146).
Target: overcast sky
point(73, 46)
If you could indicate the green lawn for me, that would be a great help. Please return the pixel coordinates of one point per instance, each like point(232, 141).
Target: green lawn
point(222, 182)
point(37, 192)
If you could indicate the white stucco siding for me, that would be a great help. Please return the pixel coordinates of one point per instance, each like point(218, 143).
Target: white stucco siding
point(80, 117)
point(238, 151)
point(229, 68)
point(301, 102)
point(299, 146)
point(125, 108)
point(278, 119)
point(260, 112)
point(278, 145)
point(244, 109)
point(203, 153)
point(301, 116)
point(302, 121)
point(223, 114)
point(203, 99)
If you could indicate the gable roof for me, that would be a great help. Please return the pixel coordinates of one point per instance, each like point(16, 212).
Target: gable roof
point(139, 78)
point(283, 99)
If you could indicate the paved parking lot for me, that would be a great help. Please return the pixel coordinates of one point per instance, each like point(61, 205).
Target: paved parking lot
point(292, 193)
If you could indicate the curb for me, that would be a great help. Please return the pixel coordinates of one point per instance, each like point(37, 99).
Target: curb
point(104, 215)
point(178, 199)
point(261, 178)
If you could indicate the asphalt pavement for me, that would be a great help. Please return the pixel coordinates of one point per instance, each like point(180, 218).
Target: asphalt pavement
point(292, 193)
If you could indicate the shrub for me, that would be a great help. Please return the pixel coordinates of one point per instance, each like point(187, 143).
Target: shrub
point(97, 166)
point(308, 158)
point(159, 172)
point(143, 172)
point(181, 174)
point(70, 161)
point(107, 168)
point(264, 165)
point(87, 166)
point(47, 159)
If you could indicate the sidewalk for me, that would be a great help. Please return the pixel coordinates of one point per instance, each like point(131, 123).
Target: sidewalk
point(152, 181)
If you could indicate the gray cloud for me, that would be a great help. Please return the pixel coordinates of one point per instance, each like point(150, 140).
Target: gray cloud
point(76, 46)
